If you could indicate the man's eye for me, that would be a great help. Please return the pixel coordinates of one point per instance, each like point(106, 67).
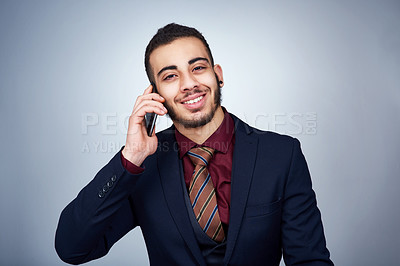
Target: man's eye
point(198, 68)
point(169, 77)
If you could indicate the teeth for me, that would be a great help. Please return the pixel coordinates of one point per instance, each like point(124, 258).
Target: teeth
point(194, 100)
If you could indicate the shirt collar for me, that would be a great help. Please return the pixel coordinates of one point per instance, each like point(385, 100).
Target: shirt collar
point(219, 140)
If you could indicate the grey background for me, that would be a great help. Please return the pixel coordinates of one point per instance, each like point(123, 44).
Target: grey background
point(326, 72)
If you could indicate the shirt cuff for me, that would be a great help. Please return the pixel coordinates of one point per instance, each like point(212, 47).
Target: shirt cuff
point(130, 167)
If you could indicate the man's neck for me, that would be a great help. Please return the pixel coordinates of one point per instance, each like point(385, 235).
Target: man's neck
point(201, 134)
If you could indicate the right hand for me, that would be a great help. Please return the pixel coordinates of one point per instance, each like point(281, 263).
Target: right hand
point(138, 144)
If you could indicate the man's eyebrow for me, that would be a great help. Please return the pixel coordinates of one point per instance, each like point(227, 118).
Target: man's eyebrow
point(173, 67)
point(166, 68)
point(194, 60)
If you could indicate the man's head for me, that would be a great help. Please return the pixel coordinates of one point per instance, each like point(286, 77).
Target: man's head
point(168, 34)
point(179, 61)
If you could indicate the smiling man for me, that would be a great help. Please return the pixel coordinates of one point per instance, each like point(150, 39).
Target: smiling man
point(190, 84)
point(210, 190)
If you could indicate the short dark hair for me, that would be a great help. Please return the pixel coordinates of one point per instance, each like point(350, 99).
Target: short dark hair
point(168, 34)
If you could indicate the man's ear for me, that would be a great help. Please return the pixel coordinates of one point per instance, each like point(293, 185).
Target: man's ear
point(219, 74)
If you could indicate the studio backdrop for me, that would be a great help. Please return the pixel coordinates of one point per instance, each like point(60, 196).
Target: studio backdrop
point(325, 72)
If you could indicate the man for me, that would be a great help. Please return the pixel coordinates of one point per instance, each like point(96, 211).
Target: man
point(210, 190)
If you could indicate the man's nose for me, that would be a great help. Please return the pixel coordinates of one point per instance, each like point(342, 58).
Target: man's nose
point(188, 82)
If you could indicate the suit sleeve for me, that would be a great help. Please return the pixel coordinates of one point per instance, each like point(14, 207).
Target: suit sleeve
point(100, 215)
point(303, 239)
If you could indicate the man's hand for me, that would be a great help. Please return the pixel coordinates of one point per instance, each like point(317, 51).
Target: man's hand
point(138, 145)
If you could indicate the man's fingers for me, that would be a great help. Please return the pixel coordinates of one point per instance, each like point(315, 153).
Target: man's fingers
point(138, 116)
point(152, 96)
point(148, 90)
point(150, 103)
point(149, 107)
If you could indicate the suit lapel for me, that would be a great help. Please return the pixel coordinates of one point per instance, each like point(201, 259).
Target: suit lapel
point(244, 157)
point(171, 175)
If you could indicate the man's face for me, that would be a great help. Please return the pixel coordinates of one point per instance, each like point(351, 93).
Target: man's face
point(187, 81)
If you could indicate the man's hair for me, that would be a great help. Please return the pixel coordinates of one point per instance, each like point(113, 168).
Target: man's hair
point(168, 34)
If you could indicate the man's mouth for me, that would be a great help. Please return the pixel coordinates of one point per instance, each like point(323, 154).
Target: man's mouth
point(194, 100)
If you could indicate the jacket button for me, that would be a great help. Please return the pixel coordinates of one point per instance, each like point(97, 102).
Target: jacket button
point(110, 183)
point(105, 188)
point(101, 194)
point(114, 178)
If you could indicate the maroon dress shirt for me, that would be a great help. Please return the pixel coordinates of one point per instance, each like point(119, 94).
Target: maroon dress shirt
point(220, 167)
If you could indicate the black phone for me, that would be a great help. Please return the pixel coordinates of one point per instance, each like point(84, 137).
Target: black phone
point(150, 118)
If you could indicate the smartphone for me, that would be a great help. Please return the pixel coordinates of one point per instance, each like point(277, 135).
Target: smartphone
point(150, 118)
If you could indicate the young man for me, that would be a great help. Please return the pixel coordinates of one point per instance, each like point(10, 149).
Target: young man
point(210, 190)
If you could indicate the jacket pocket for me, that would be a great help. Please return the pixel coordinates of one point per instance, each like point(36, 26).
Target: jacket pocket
point(263, 209)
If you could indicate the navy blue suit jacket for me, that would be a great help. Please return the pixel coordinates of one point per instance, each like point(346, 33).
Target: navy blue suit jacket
point(273, 207)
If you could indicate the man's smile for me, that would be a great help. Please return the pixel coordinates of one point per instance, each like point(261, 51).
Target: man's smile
point(194, 100)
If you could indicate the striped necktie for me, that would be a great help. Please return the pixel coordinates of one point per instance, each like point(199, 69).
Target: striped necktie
point(202, 194)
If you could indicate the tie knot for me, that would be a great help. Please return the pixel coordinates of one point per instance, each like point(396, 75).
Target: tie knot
point(201, 155)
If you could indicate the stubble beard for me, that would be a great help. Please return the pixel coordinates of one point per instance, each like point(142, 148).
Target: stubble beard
point(199, 122)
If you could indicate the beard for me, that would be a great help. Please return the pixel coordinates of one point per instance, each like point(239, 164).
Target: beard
point(198, 121)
